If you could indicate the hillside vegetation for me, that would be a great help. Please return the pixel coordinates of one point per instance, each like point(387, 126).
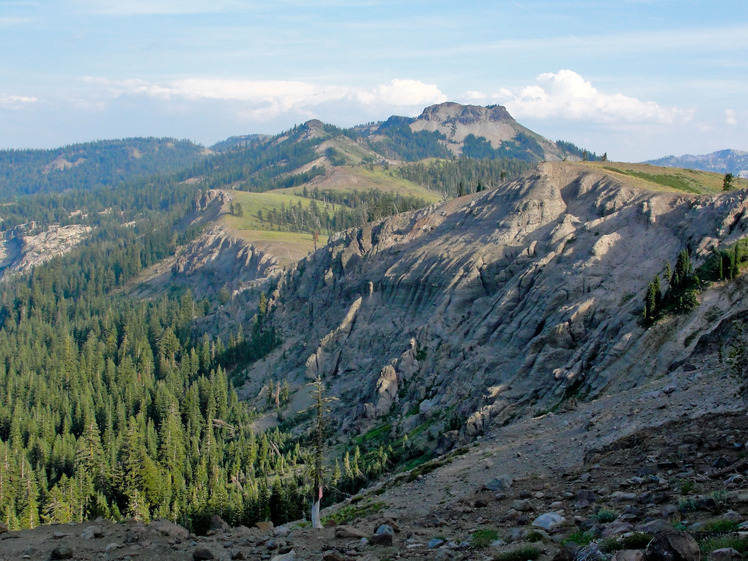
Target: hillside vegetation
point(93, 164)
point(647, 176)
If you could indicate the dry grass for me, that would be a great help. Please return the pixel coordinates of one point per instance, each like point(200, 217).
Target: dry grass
point(654, 178)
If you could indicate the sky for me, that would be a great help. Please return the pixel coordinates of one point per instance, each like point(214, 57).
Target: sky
point(637, 79)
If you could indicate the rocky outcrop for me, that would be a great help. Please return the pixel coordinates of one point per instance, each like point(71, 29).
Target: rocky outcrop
point(502, 304)
point(21, 251)
point(218, 259)
point(495, 124)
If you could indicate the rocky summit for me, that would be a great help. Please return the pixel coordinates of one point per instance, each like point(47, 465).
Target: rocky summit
point(493, 124)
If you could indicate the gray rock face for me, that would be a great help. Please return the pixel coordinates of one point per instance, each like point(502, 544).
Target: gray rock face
point(497, 305)
point(24, 251)
point(217, 258)
point(457, 121)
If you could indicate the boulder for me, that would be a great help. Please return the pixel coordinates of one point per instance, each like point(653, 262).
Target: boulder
point(629, 555)
point(92, 532)
point(675, 546)
point(501, 483)
point(347, 532)
point(655, 526)
point(281, 532)
point(218, 524)
point(381, 539)
point(290, 556)
point(62, 552)
point(725, 554)
point(202, 554)
point(591, 552)
point(264, 526)
point(522, 505)
point(617, 528)
point(549, 521)
point(169, 529)
point(385, 529)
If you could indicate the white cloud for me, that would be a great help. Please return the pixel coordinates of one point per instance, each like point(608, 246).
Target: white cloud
point(401, 93)
point(267, 99)
point(16, 101)
point(567, 95)
point(731, 118)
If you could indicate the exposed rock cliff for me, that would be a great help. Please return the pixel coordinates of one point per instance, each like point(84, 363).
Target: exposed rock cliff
point(20, 252)
point(500, 304)
point(216, 259)
point(495, 124)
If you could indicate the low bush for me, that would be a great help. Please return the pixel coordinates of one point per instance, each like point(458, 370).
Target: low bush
point(483, 537)
point(523, 553)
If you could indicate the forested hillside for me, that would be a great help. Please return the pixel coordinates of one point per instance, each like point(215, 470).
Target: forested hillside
point(94, 164)
point(120, 406)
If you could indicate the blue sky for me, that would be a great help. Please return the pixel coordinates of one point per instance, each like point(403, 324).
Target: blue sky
point(637, 79)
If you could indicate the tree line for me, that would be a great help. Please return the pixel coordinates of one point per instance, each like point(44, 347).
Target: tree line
point(459, 177)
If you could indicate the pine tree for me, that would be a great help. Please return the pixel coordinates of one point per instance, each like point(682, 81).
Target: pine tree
point(320, 408)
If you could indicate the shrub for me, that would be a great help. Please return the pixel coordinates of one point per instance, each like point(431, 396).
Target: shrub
point(579, 538)
point(534, 536)
point(687, 486)
point(687, 505)
point(637, 540)
point(523, 553)
point(604, 515)
point(721, 526)
point(483, 537)
point(609, 545)
point(351, 512)
point(738, 543)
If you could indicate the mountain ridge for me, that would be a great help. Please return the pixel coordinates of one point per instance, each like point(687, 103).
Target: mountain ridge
point(721, 161)
point(497, 306)
point(510, 304)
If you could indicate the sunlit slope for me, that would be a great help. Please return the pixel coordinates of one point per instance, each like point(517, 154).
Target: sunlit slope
point(262, 218)
point(645, 176)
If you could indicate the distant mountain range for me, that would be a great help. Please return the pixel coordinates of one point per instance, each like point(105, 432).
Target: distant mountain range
point(722, 161)
point(93, 164)
point(446, 131)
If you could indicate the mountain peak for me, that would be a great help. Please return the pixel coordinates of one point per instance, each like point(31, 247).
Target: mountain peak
point(458, 123)
point(721, 161)
point(450, 112)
